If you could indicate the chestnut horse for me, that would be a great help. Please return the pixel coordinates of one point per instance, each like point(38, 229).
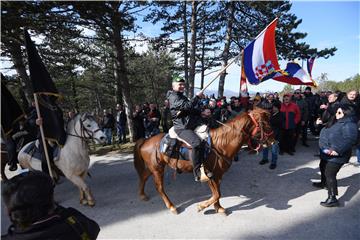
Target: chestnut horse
point(251, 128)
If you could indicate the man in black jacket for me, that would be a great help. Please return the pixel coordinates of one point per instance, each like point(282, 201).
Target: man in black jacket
point(185, 115)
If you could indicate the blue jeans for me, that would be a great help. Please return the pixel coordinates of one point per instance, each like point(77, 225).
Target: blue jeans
point(108, 134)
point(358, 153)
point(274, 153)
point(121, 132)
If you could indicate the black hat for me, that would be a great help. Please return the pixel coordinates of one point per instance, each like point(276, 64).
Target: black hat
point(308, 88)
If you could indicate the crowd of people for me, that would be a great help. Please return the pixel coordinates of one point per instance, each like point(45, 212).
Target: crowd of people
point(333, 116)
point(292, 116)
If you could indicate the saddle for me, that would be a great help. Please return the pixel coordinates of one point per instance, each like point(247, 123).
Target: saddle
point(33, 149)
point(173, 146)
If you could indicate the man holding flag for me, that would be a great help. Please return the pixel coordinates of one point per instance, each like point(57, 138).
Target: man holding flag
point(50, 116)
point(11, 114)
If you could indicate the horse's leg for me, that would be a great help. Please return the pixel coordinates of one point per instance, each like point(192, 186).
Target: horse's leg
point(215, 189)
point(80, 183)
point(88, 194)
point(143, 178)
point(83, 200)
point(158, 178)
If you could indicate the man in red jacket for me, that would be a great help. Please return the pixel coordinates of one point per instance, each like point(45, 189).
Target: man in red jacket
point(290, 114)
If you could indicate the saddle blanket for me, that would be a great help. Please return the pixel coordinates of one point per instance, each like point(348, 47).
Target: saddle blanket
point(168, 146)
point(34, 151)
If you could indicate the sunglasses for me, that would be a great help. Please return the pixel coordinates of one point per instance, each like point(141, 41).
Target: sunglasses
point(296, 93)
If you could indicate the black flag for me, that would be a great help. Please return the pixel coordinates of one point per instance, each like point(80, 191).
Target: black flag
point(11, 111)
point(47, 94)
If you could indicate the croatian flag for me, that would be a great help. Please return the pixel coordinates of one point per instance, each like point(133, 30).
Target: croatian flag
point(294, 75)
point(310, 64)
point(260, 59)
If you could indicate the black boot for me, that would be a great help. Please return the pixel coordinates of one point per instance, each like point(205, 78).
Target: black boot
point(331, 201)
point(13, 166)
point(197, 156)
point(194, 157)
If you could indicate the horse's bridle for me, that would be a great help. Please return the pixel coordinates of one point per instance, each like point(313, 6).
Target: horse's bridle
point(84, 130)
point(264, 136)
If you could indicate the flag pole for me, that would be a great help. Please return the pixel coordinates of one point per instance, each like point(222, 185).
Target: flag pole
point(43, 136)
point(222, 70)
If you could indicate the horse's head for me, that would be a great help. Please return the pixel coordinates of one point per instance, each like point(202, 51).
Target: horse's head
point(261, 133)
point(90, 128)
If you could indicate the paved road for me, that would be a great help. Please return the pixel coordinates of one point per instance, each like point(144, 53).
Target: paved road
point(262, 203)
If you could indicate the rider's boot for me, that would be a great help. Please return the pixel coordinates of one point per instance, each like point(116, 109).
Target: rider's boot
point(13, 166)
point(198, 171)
point(12, 156)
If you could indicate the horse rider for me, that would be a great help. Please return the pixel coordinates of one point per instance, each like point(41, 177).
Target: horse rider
point(23, 132)
point(185, 114)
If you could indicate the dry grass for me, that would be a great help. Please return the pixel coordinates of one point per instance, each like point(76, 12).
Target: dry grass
point(113, 148)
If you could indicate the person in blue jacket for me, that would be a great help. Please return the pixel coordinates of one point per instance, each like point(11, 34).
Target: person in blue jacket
point(336, 141)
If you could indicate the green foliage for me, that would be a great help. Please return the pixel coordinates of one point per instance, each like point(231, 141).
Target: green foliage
point(352, 83)
point(287, 89)
point(83, 65)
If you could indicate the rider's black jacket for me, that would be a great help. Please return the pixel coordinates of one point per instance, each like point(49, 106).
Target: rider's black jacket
point(184, 112)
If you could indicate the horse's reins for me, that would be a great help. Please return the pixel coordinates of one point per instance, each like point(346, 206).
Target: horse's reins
point(263, 135)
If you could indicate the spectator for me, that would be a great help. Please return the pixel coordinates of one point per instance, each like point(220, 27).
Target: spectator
point(335, 143)
point(312, 109)
point(275, 122)
point(290, 117)
point(152, 122)
point(302, 125)
point(107, 123)
point(166, 122)
point(329, 109)
point(29, 199)
point(236, 108)
point(215, 110)
point(138, 121)
point(351, 100)
point(121, 123)
point(256, 101)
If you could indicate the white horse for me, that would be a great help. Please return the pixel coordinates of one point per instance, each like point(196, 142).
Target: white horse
point(74, 157)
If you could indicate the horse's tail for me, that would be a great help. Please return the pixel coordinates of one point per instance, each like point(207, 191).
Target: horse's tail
point(138, 160)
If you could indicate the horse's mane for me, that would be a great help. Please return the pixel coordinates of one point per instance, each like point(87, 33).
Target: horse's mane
point(231, 130)
point(226, 133)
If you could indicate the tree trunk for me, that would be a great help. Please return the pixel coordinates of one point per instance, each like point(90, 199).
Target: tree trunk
point(225, 54)
point(16, 56)
point(120, 72)
point(186, 55)
point(203, 57)
point(192, 49)
point(118, 93)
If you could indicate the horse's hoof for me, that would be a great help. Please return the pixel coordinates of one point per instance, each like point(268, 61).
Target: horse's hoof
point(91, 203)
point(173, 210)
point(200, 208)
point(144, 197)
point(83, 202)
point(222, 211)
